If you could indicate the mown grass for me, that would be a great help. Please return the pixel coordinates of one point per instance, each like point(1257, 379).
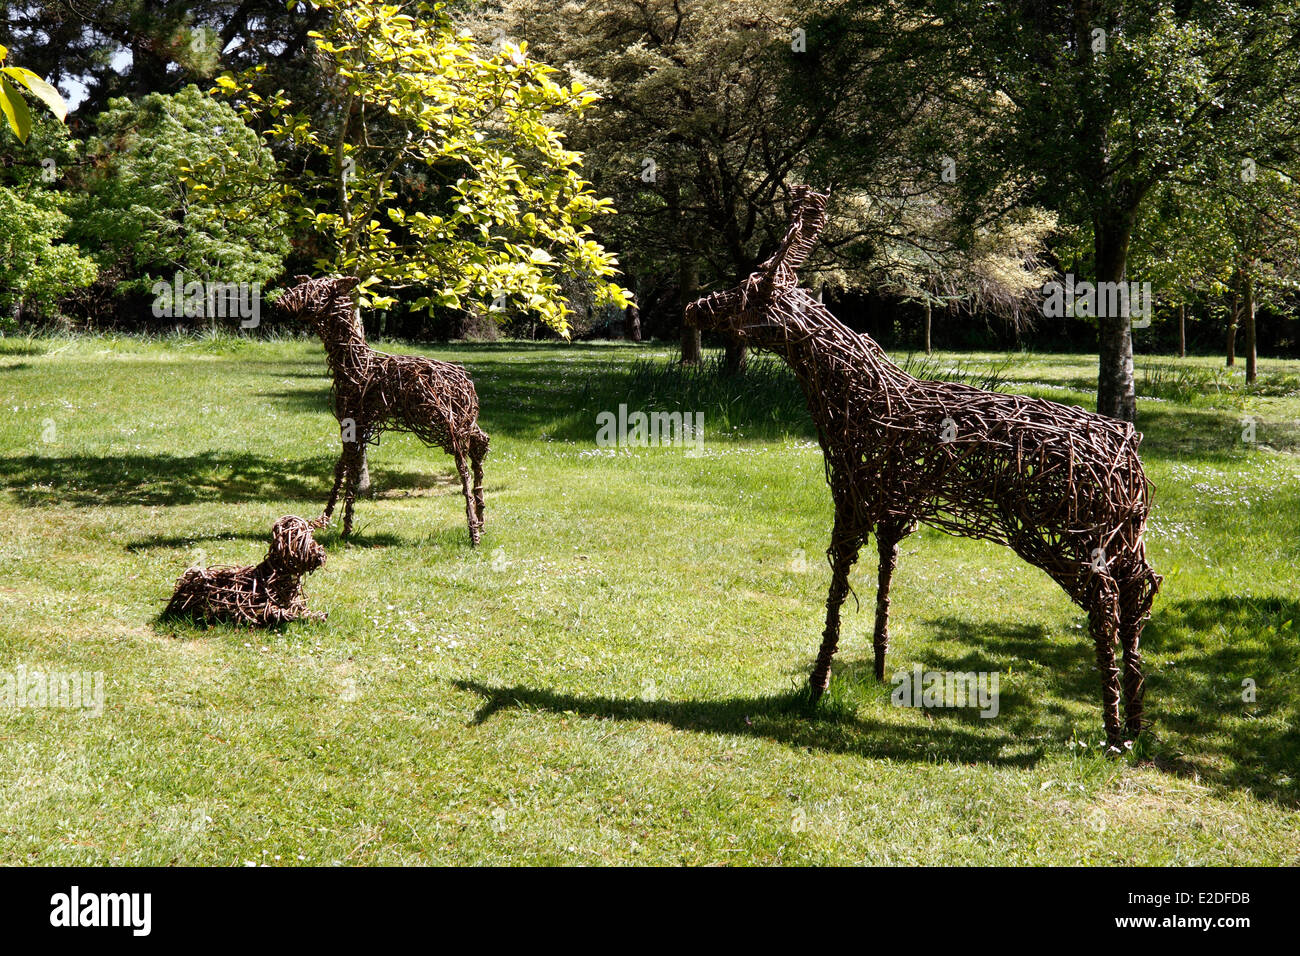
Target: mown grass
point(615, 675)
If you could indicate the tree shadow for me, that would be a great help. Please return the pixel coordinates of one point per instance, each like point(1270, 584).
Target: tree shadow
point(785, 718)
point(1196, 653)
point(314, 399)
point(167, 479)
point(1205, 649)
point(21, 347)
point(174, 542)
point(331, 539)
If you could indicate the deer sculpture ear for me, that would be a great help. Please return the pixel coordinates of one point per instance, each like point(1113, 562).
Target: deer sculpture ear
point(346, 283)
point(807, 219)
point(300, 279)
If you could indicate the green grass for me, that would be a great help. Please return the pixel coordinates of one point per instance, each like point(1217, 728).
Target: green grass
point(614, 676)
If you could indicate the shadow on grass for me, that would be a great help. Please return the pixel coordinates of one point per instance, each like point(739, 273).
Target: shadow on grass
point(1197, 654)
point(21, 347)
point(331, 539)
point(166, 479)
point(171, 542)
point(786, 718)
point(1204, 649)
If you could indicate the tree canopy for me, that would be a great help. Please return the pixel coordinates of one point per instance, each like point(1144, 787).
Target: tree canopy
point(529, 159)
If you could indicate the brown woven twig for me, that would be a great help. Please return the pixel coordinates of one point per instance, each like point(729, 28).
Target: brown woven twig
point(266, 593)
point(1062, 487)
point(375, 392)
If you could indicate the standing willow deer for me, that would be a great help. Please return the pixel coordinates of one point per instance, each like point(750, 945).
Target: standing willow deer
point(1061, 487)
point(375, 392)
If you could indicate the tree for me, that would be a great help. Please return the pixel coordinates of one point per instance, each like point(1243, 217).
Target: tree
point(115, 48)
point(1094, 104)
point(38, 266)
point(146, 216)
point(676, 137)
point(1223, 228)
point(432, 167)
point(1261, 212)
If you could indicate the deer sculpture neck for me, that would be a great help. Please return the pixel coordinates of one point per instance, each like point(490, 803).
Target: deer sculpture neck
point(769, 311)
point(341, 333)
point(804, 333)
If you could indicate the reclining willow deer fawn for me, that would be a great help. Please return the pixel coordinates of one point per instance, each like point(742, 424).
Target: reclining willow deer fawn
point(374, 392)
point(1062, 487)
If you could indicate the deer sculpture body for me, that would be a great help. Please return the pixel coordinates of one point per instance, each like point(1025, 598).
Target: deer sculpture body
point(1060, 486)
point(375, 391)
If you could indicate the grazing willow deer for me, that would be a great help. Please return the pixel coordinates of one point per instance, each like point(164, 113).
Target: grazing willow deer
point(375, 392)
point(1062, 487)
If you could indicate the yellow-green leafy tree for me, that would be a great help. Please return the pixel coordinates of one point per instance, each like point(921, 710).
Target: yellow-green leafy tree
point(433, 169)
point(15, 107)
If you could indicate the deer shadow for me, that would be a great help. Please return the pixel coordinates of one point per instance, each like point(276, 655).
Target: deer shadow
point(786, 718)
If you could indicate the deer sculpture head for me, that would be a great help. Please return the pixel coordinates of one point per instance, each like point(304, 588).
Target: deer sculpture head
point(757, 307)
point(325, 302)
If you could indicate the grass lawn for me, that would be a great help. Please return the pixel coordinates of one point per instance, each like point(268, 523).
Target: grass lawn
point(614, 675)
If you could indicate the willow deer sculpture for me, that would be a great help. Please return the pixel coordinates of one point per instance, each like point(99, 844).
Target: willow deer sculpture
point(1062, 487)
point(375, 392)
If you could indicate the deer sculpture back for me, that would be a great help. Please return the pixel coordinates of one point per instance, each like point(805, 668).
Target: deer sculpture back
point(1062, 487)
point(374, 391)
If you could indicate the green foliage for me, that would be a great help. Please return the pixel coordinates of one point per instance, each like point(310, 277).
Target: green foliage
point(175, 187)
point(12, 104)
point(436, 167)
point(37, 265)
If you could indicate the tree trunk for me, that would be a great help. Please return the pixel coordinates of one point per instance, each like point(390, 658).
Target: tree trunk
point(1249, 329)
point(1231, 346)
point(1182, 331)
point(737, 357)
point(689, 284)
point(363, 483)
point(632, 324)
point(1116, 393)
point(927, 328)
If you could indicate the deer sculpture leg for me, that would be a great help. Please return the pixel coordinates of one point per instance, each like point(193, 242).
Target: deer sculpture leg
point(478, 448)
point(340, 472)
point(1103, 622)
point(471, 517)
point(887, 537)
point(352, 453)
point(843, 553)
point(1135, 604)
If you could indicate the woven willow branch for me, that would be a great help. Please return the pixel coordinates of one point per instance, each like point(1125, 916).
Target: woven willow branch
point(266, 593)
point(376, 392)
point(1062, 487)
